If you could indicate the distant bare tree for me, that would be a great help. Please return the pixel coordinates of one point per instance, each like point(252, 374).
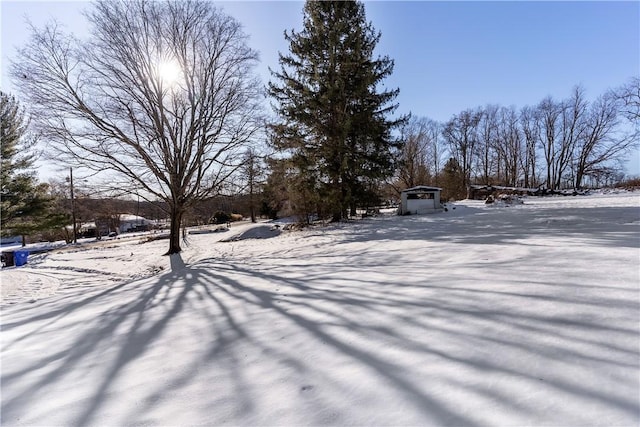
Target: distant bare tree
point(436, 150)
point(488, 142)
point(547, 115)
point(531, 130)
point(571, 131)
point(461, 133)
point(559, 127)
point(629, 94)
point(414, 162)
point(510, 145)
point(603, 140)
point(422, 152)
point(162, 95)
point(629, 98)
point(252, 171)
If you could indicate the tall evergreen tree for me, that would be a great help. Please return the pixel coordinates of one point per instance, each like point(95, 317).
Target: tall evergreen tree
point(25, 206)
point(335, 124)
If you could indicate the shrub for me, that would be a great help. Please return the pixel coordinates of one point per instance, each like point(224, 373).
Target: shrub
point(221, 217)
point(629, 183)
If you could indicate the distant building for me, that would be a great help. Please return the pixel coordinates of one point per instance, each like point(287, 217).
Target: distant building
point(118, 223)
point(420, 200)
point(130, 223)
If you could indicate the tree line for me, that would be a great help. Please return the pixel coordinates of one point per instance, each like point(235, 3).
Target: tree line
point(555, 144)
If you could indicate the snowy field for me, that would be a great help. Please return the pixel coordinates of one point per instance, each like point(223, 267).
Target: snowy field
point(479, 316)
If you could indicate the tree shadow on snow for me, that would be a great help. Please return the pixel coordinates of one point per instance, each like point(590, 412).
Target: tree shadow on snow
point(610, 226)
point(247, 327)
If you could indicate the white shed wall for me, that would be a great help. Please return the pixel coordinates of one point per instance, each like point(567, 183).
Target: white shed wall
point(421, 206)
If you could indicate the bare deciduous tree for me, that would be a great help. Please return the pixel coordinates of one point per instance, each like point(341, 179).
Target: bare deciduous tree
point(488, 142)
point(530, 126)
point(602, 140)
point(629, 94)
point(436, 149)
point(461, 133)
point(548, 114)
point(162, 96)
point(421, 153)
point(571, 131)
point(510, 145)
point(253, 174)
point(414, 165)
point(629, 97)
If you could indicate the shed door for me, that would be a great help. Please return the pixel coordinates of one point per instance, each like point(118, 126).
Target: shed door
point(420, 205)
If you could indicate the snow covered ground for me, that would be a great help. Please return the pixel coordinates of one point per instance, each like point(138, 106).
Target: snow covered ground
point(483, 315)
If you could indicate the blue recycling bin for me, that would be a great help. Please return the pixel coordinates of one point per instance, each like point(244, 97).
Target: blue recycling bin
point(20, 257)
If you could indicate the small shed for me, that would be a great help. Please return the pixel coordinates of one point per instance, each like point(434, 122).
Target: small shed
point(420, 200)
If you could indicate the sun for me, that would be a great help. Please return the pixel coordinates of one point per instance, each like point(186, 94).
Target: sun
point(169, 72)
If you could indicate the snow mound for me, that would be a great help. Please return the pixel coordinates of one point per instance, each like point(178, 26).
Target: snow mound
point(504, 200)
point(219, 229)
point(257, 232)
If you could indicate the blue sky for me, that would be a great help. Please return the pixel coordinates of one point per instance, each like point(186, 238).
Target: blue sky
point(449, 55)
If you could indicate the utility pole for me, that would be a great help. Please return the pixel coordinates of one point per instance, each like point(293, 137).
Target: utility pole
point(73, 206)
point(138, 220)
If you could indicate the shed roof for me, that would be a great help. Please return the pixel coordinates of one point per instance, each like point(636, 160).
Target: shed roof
point(419, 188)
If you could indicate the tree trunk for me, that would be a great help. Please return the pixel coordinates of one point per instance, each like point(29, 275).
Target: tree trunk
point(252, 208)
point(336, 214)
point(579, 177)
point(174, 236)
